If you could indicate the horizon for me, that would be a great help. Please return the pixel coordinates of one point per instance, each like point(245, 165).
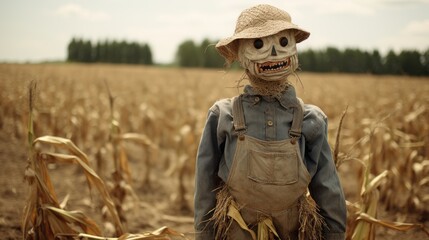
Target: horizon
point(383, 55)
point(42, 32)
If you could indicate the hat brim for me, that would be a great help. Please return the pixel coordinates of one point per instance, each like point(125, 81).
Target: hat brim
point(228, 47)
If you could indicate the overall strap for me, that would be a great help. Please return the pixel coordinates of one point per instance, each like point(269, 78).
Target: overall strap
point(238, 116)
point(240, 124)
point(298, 115)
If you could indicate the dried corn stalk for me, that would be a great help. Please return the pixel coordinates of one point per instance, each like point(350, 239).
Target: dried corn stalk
point(43, 214)
point(121, 175)
point(43, 217)
point(147, 145)
point(362, 216)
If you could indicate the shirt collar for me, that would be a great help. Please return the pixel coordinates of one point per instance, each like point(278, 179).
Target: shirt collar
point(287, 99)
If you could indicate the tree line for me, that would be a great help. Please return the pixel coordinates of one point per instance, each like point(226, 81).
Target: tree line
point(204, 55)
point(80, 50)
point(331, 59)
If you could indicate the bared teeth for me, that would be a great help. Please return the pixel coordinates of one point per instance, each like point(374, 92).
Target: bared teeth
point(273, 66)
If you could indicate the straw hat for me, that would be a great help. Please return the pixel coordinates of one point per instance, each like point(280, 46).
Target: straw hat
point(256, 22)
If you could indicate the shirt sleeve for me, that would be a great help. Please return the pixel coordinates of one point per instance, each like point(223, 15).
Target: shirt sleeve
point(206, 177)
point(325, 187)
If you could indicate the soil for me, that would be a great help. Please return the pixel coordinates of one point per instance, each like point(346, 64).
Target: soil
point(156, 206)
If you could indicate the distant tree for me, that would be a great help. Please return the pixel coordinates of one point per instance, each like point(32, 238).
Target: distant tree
point(392, 64)
point(354, 61)
point(307, 60)
point(210, 57)
point(72, 50)
point(102, 51)
point(322, 61)
point(79, 50)
point(96, 52)
point(375, 63)
point(357, 61)
point(115, 52)
point(123, 52)
point(86, 52)
point(205, 55)
point(188, 55)
point(134, 53)
point(425, 57)
point(333, 59)
point(80, 54)
point(411, 62)
point(146, 55)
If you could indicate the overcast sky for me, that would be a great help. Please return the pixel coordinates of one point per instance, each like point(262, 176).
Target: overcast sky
point(40, 30)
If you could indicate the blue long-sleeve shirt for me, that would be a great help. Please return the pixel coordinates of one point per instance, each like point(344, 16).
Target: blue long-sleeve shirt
point(267, 118)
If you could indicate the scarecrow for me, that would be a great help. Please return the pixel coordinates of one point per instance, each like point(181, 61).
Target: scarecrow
point(264, 167)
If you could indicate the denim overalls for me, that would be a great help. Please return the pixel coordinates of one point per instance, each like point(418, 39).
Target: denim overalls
point(268, 120)
point(267, 178)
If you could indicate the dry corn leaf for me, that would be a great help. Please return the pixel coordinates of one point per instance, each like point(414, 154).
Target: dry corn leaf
point(392, 225)
point(81, 158)
point(82, 236)
point(76, 218)
point(29, 213)
point(63, 143)
point(365, 230)
point(44, 181)
point(55, 223)
point(42, 187)
point(42, 210)
point(337, 139)
point(413, 115)
point(266, 228)
point(123, 161)
point(64, 202)
point(424, 181)
point(163, 233)
point(374, 183)
point(95, 181)
point(421, 167)
point(235, 214)
point(138, 138)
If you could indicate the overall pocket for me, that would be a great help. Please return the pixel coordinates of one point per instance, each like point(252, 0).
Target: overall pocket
point(275, 168)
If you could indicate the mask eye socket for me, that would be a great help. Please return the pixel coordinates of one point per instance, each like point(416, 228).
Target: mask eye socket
point(258, 43)
point(283, 41)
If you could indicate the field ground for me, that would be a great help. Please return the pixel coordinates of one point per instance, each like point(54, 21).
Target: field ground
point(170, 105)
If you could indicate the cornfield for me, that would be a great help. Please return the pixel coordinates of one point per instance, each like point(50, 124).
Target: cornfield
point(115, 146)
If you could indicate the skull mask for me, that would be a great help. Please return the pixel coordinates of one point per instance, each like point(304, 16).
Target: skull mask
point(270, 58)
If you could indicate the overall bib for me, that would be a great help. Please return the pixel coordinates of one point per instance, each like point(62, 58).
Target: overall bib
point(266, 179)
